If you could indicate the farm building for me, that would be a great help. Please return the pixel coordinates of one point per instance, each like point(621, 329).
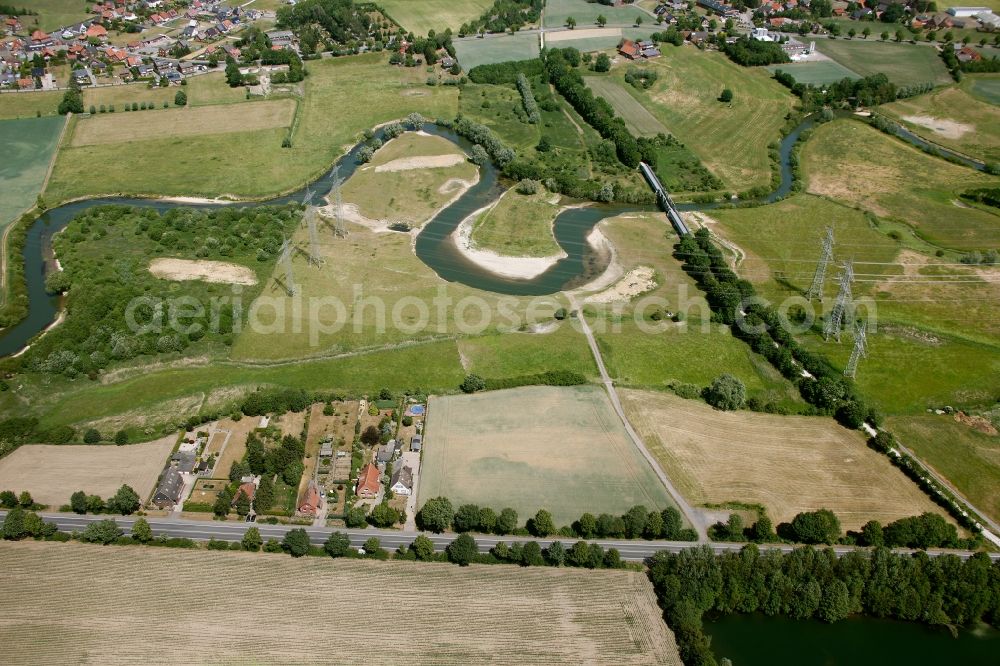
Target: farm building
point(963, 12)
point(168, 492)
point(368, 482)
point(402, 481)
point(637, 50)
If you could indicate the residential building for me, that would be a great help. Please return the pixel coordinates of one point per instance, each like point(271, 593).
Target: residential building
point(386, 452)
point(402, 482)
point(368, 482)
point(246, 488)
point(312, 500)
point(168, 491)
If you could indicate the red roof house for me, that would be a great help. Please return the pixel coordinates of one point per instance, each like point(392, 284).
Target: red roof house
point(96, 30)
point(311, 500)
point(630, 49)
point(368, 482)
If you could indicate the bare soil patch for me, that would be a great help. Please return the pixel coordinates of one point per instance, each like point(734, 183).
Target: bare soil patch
point(52, 473)
point(949, 129)
point(76, 602)
point(978, 423)
point(787, 463)
point(637, 281)
point(201, 269)
point(421, 162)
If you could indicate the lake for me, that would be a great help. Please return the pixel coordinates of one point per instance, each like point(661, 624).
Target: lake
point(759, 640)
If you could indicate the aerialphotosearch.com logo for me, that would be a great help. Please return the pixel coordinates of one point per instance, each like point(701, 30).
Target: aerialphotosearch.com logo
point(322, 317)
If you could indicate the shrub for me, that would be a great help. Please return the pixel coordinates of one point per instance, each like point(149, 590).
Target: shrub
point(726, 393)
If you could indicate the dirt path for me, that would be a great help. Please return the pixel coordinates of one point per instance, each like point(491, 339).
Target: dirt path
point(689, 512)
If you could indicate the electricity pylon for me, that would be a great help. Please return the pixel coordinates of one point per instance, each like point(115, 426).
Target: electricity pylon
point(860, 348)
point(836, 319)
point(816, 288)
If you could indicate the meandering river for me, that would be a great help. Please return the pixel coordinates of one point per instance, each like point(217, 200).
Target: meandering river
point(433, 246)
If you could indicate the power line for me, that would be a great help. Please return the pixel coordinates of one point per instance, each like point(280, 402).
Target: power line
point(826, 255)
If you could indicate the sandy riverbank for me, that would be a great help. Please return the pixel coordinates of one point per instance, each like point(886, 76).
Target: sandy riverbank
point(521, 268)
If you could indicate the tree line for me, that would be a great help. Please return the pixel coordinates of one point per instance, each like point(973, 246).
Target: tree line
point(561, 69)
point(869, 91)
point(439, 515)
point(504, 15)
point(807, 583)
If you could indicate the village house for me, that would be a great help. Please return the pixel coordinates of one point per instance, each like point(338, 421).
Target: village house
point(168, 491)
point(967, 54)
point(246, 488)
point(11, 25)
point(368, 482)
point(312, 500)
point(402, 482)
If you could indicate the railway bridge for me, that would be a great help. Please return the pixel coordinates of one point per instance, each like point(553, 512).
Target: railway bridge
point(663, 198)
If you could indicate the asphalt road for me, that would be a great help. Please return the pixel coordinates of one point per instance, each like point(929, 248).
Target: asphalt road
point(203, 530)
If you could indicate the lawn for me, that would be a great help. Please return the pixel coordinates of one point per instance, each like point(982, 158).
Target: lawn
point(856, 164)
point(689, 355)
point(122, 96)
point(787, 463)
point(181, 123)
point(422, 16)
point(586, 13)
point(638, 119)
point(816, 72)
point(969, 459)
point(29, 104)
point(343, 97)
point(520, 225)
point(52, 473)
point(952, 118)
point(904, 64)
point(557, 448)
point(985, 87)
point(909, 370)
point(400, 185)
point(473, 51)
point(730, 139)
point(28, 147)
point(54, 14)
point(212, 89)
point(512, 355)
point(82, 599)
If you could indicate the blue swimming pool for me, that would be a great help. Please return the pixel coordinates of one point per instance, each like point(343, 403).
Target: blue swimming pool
point(417, 410)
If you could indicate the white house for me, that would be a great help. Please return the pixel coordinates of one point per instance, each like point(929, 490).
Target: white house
point(761, 35)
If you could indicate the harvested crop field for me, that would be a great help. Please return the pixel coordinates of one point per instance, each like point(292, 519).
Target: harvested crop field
point(201, 269)
point(787, 463)
point(52, 473)
point(541, 447)
point(79, 603)
point(635, 115)
point(181, 122)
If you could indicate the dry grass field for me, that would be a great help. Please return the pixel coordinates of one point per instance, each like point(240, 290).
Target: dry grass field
point(787, 463)
point(182, 122)
point(541, 447)
point(237, 444)
point(52, 473)
point(79, 603)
